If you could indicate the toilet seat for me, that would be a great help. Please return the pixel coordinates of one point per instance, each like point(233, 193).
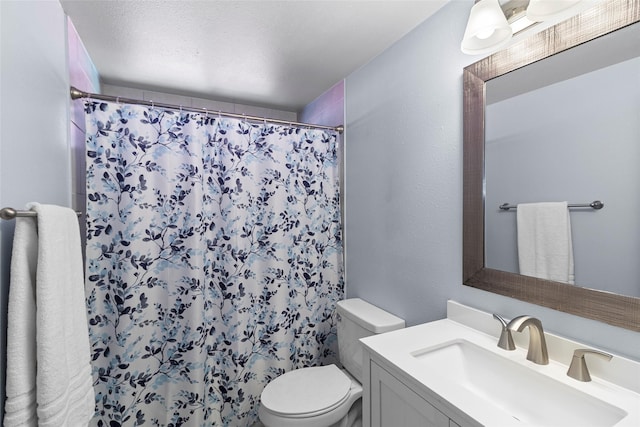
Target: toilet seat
point(307, 392)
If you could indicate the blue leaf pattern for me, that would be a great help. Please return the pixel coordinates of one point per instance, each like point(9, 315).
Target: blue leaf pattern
point(214, 261)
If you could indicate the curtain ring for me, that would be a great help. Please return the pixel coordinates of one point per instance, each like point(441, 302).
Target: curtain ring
point(206, 113)
point(117, 100)
point(152, 104)
point(219, 115)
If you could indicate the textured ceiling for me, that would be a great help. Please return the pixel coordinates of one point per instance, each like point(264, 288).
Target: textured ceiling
point(281, 54)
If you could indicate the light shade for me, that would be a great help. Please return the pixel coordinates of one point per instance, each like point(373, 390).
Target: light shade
point(542, 10)
point(487, 29)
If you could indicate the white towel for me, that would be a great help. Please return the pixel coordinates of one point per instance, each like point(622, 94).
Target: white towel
point(55, 310)
point(545, 249)
point(20, 406)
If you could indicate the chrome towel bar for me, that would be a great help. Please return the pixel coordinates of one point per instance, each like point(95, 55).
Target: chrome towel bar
point(10, 213)
point(597, 204)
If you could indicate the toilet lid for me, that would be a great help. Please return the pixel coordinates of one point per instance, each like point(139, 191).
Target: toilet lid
point(306, 391)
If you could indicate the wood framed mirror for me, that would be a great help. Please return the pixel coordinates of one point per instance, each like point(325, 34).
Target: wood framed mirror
point(614, 309)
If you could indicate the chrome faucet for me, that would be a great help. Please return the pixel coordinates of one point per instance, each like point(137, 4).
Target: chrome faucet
point(506, 340)
point(578, 368)
point(537, 352)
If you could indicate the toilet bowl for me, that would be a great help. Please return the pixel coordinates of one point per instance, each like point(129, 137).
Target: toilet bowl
point(312, 397)
point(327, 396)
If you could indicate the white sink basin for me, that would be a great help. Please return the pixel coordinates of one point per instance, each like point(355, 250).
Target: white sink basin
point(505, 385)
point(456, 366)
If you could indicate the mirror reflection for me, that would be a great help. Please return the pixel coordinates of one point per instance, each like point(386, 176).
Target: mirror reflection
point(568, 129)
point(605, 306)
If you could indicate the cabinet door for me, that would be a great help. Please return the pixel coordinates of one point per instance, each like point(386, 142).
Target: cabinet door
point(393, 404)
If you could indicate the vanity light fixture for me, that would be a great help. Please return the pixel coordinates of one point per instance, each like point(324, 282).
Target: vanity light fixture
point(543, 10)
point(492, 23)
point(487, 28)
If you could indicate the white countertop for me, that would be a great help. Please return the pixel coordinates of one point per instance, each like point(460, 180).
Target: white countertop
point(396, 349)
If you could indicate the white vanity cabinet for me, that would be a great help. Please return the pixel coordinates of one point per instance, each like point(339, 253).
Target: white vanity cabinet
point(389, 402)
point(395, 404)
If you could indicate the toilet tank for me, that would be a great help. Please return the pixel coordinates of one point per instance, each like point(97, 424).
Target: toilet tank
point(358, 319)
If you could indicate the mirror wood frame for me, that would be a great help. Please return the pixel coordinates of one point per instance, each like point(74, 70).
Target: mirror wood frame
point(618, 310)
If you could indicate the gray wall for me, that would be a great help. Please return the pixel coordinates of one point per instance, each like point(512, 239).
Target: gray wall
point(577, 141)
point(404, 171)
point(404, 186)
point(327, 109)
point(34, 122)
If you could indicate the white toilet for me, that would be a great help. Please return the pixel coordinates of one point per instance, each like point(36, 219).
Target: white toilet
point(327, 396)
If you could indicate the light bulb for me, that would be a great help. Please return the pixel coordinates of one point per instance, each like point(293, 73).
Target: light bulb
point(485, 34)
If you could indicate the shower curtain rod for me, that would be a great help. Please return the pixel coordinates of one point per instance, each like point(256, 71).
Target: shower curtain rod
point(77, 94)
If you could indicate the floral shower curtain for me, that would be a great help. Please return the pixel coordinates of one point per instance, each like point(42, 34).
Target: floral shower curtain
point(214, 262)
